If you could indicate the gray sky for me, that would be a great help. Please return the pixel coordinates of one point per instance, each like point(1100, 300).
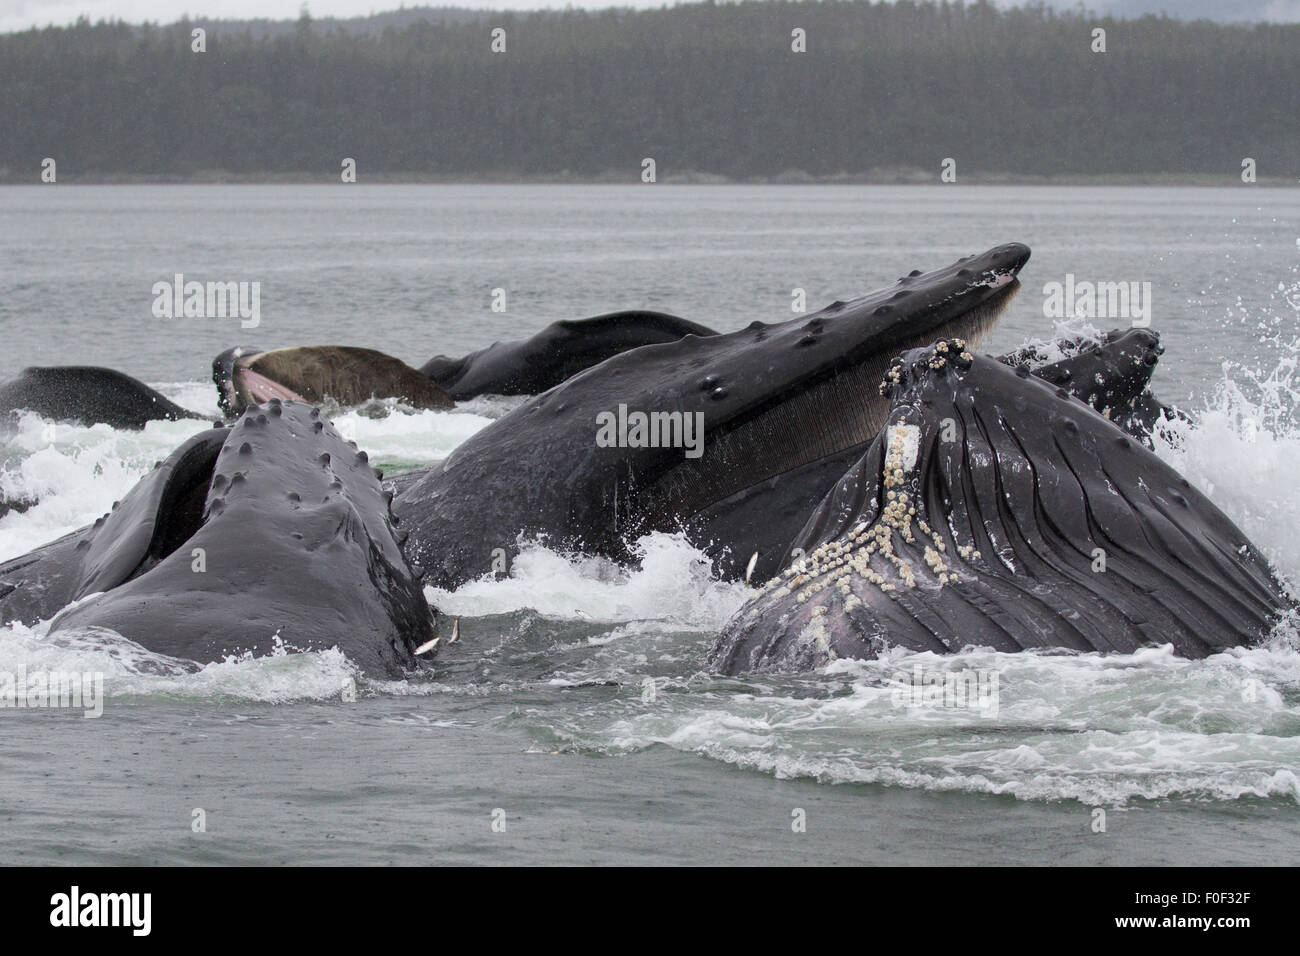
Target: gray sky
point(21, 14)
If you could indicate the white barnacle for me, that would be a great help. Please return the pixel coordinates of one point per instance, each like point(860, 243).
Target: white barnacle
point(904, 446)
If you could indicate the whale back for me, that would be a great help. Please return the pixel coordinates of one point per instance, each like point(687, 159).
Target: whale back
point(559, 351)
point(87, 395)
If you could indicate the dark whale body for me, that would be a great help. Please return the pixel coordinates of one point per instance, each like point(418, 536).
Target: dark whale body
point(917, 538)
point(87, 395)
point(273, 530)
point(1112, 375)
point(245, 375)
point(778, 403)
point(559, 351)
point(15, 505)
point(997, 510)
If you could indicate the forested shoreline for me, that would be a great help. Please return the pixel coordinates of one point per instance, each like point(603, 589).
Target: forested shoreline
point(883, 92)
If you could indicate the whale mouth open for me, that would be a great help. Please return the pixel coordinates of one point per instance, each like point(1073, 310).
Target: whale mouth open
point(260, 389)
point(836, 409)
point(313, 373)
point(776, 411)
point(813, 420)
point(228, 371)
point(240, 385)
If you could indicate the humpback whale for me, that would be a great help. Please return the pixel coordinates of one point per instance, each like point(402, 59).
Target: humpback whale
point(996, 510)
point(272, 530)
point(87, 395)
point(785, 408)
point(245, 376)
point(1111, 374)
point(559, 351)
point(15, 505)
point(963, 502)
point(1116, 372)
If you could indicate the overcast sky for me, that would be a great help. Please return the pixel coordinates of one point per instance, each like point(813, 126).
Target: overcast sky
point(21, 14)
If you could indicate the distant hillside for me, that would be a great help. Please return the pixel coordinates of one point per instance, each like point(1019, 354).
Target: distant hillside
point(372, 25)
point(704, 90)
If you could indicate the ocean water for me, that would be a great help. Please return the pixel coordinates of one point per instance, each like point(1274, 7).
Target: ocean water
point(576, 706)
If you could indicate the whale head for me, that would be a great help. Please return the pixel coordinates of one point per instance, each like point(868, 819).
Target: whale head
point(771, 410)
point(312, 373)
point(272, 532)
point(998, 510)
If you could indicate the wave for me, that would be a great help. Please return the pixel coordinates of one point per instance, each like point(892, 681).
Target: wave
point(286, 675)
point(671, 584)
point(1103, 731)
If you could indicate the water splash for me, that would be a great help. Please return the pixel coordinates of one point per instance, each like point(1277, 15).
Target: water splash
point(74, 473)
point(1243, 448)
point(1100, 730)
point(130, 671)
point(672, 582)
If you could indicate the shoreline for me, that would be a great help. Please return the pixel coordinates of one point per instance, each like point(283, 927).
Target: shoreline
point(914, 177)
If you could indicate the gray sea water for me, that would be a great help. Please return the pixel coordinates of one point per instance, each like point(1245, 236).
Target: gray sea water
point(576, 707)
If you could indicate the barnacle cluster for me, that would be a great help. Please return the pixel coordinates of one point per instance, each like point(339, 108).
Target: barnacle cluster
point(943, 352)
point(871, 548)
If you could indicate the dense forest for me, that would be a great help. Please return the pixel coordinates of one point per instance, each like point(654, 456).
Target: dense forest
point(709, 88)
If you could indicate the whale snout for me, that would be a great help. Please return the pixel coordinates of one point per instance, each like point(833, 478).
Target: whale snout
point(227, 372)
point(275, 529)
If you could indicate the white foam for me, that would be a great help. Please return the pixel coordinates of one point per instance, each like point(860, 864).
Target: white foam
point(1100, 730)
point(282, 676)
point(1243, 449)
point(1070, 336)
point(75, 472)
point(197, 397)
point(672, 582)
point(76, 476)
point(390, 432)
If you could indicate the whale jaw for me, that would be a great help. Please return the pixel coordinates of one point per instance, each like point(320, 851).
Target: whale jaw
point(783, 409)
point(995, 510)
